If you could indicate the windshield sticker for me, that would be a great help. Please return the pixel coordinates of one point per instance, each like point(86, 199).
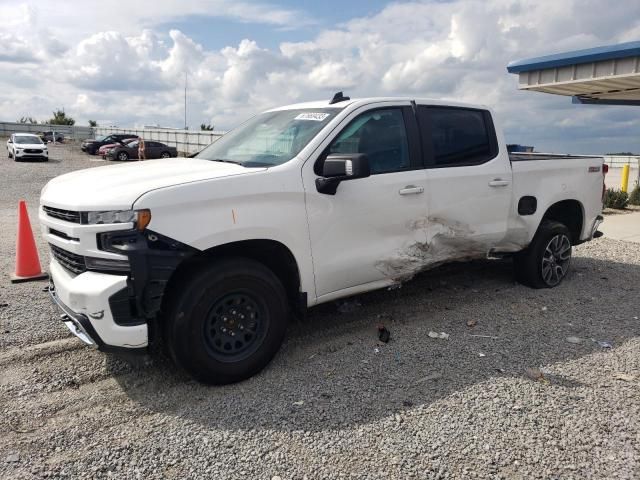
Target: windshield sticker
point(315, 116)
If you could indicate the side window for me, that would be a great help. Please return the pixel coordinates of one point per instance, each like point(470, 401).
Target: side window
point(381, 135)
point(459, 136)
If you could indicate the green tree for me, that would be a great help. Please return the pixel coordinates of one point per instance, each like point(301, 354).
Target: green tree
point(207, 127)
point(61, 118)
point(93, 123)
point(27, 120)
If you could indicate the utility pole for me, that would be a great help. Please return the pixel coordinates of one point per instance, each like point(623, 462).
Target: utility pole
point(185, 100)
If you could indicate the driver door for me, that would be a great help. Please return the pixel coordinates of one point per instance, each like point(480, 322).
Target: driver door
point(365, 235)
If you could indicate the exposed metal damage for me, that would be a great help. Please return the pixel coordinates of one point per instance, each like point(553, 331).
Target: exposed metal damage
point(444, 241)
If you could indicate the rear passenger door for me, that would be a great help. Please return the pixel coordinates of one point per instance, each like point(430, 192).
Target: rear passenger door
point(469, 181)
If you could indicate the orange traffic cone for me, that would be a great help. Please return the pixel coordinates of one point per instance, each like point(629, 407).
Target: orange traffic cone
point(27, 260)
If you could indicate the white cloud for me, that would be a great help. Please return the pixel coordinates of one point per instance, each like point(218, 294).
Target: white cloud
point(133, 72)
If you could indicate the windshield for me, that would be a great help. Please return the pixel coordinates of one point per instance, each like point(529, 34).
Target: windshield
point(270, 138)
point(100, 138)
point(26, 139)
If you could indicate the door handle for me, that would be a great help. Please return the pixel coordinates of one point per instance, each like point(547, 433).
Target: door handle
point(411, 190)
point(498, 182)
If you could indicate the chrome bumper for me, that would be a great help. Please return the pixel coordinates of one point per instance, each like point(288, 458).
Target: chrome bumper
point(77, 323)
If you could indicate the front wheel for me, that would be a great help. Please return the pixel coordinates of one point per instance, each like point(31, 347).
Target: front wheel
point(228, 321)
point(545, 263)
point(165, 155)
point(123, 156)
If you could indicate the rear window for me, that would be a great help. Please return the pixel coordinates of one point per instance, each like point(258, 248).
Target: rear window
point(458, 136)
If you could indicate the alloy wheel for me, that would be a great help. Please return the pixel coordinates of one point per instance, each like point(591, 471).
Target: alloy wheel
point(556, 259)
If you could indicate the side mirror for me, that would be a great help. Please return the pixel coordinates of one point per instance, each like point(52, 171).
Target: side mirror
point(9, 141)
point(339, 168)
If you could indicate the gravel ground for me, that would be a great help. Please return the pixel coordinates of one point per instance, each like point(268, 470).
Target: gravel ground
point(527, 392)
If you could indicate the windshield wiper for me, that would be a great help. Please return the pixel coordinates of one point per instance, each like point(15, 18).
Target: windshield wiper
point(225, 161)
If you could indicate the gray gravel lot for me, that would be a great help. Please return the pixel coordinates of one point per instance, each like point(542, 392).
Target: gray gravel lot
point(335, 403)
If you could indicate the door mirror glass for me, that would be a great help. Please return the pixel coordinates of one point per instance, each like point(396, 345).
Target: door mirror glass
point(339, 168)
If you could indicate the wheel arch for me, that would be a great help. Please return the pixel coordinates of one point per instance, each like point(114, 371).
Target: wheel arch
point(271, 253)
point(570, 213)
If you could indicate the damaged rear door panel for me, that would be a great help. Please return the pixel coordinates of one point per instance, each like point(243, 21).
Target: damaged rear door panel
point(469, 183)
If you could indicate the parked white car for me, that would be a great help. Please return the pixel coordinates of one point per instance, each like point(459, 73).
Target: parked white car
point(299, 206)
point(26, 146)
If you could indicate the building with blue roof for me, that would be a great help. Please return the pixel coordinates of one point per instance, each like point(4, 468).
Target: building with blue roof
point(608, 75)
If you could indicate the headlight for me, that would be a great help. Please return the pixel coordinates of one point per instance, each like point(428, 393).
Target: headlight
point(94, 263)
point(112, 216)
point(140, 217)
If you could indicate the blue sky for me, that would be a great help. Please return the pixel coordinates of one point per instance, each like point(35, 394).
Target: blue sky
point(216, 33)
point(125, 65)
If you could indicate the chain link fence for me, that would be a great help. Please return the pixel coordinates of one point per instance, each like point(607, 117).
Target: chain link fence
point(70, 132)
point(186, 141)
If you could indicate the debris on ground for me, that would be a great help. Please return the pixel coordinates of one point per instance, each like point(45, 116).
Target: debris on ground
point(407, 403)
point(604, 344)
point(574, 340)
point(482, 354)
point(13, 457)
point(536, 375)
point(376, 350)
point(349, 305)
point(544, 309)
point(299, 403)
point(397, 357)
point(383, 334)
point(3, 304)
point(442, 335)
point(485, 336)
point(625, 377)
point(433, 376)
point(472, 323)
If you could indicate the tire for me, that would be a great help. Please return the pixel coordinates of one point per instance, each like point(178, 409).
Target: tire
point(206, 327)
point(9, 153)
point(545, 263)
point(165, 155)
point(123, 156)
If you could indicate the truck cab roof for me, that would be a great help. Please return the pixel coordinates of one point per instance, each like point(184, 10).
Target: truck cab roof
point(358, 102)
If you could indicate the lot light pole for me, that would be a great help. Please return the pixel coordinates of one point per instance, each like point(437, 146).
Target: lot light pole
point(185, 100)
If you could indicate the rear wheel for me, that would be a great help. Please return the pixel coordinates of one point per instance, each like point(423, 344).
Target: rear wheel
point(228, 321)
point(165, 155)
point(545, 263)
point(123, 156)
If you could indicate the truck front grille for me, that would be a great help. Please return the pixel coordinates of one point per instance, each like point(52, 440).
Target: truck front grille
point(69, 260)
point(66, 215)
point(32, 150)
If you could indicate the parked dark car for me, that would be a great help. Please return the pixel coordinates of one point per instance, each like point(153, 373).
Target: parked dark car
point(48, 136)
point(92, 146)
point(152, 150)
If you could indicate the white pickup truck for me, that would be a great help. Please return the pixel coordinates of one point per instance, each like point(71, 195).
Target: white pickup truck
point(298, 206)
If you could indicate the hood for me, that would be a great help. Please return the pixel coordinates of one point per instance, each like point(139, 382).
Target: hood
point(116, 187)
point(30, 145)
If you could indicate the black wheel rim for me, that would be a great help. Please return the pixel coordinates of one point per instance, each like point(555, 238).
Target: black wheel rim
point(235, 327)
point(556, 259)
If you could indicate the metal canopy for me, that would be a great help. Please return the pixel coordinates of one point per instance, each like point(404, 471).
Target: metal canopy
point(603, 75)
